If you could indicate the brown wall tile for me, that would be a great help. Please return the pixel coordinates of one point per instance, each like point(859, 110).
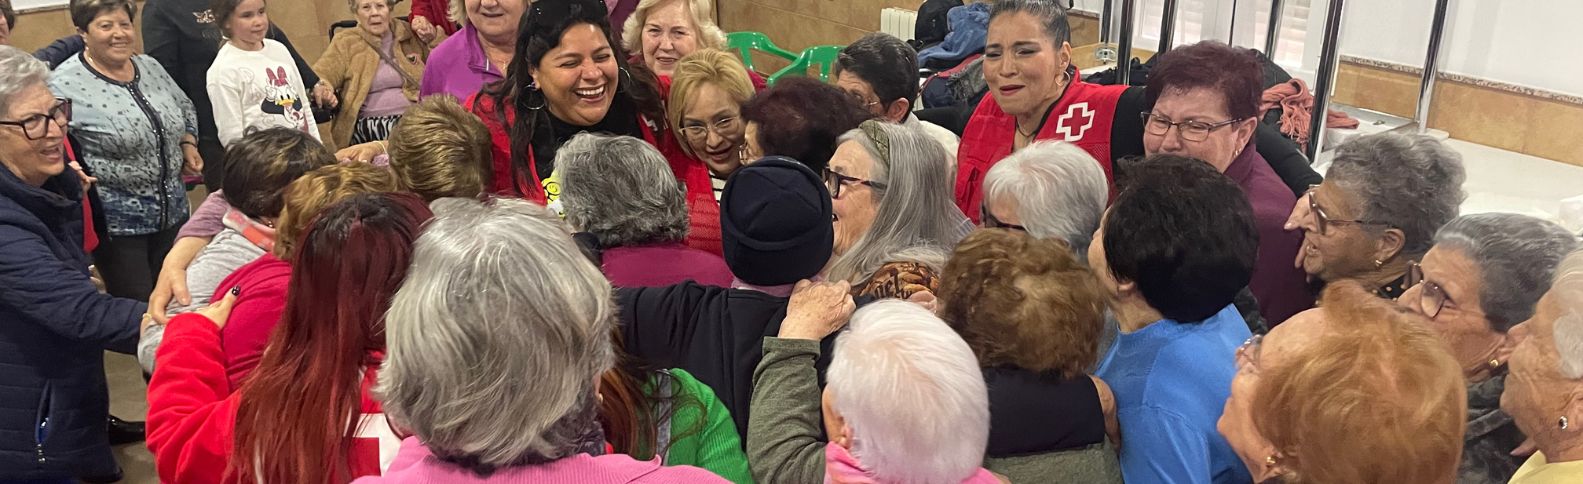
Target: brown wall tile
point(1554, 132)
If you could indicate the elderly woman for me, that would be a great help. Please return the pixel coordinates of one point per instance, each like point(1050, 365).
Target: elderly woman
point(139, 133)
point(1032, 312)
point(243, 100)
point(1174, 250)
point(1484, 275)
point(881, 72)
point(1547, 376)
point(58, 325)
point(1358, 391)
point(708, 89)
point(185, 38)
point(801, 119)
point(372, 72)
point(1206, 106)
point(776, 216)
point(659, 33)
point(1051, 189)
point(620, 190)
point(203, 429)
point(441, 347)
point(567, 78)
point(1377, 211)
point(894, 222)
point(479, 53)
point(905, 400)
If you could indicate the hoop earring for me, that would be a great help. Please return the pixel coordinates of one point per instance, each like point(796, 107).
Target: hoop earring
point(533, 88)
point(626, 79)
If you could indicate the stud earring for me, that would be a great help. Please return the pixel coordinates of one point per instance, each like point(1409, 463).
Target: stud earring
point(1378, 263)
point(1495, 364)
point(1563, 423)
point(1270, 460)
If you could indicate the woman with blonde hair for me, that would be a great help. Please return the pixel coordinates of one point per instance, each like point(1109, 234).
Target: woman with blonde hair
point(660, 33)
point(708, 90)
point(1358, 391)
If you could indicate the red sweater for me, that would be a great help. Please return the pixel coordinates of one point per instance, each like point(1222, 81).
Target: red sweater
point(704, 212)
point(257, 312)
point(192, 411)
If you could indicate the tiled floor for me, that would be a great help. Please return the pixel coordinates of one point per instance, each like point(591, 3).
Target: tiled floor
point(1498, 181)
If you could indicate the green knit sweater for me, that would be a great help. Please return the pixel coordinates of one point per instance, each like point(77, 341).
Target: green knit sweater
point(708, 436)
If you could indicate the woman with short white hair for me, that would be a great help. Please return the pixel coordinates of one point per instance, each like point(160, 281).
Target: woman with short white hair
point(1546, 379)
point(895, 223)
point(490, 279)
point(1051, 189)
point(905, 403)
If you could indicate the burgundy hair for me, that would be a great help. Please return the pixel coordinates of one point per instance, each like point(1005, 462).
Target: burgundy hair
point(299, 406)
point(1237, 73)
point(801, 118)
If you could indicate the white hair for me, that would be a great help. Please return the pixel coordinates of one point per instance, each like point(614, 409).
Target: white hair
point(1058, 189)
point(1568, 293)
point(621, 190)
point(912, 393)
point(497, 335)
point(1516, 256)
point(18, 71)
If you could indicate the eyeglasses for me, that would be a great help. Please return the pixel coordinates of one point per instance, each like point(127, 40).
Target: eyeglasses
point(1431, 298)
point(990, 222)
point(833, 181)
point(720, 127)
point(1248, 353)
point(37, 126)
point(1323, 221)
point(861, 101)
point(1190, 130)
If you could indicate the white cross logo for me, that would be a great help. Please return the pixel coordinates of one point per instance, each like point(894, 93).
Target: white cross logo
point(1075, 122)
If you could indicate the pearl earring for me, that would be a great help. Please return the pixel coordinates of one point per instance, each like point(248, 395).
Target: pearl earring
point(1564, 424)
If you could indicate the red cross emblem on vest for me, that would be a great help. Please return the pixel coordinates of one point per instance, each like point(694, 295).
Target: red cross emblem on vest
point(1076, 121)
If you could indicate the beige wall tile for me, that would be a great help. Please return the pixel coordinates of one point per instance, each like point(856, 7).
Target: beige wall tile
point(1483, 116)
point(1554, 132)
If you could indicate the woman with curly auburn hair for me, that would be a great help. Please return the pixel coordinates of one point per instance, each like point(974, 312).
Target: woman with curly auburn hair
point(1360, 391)
point(1032, 312)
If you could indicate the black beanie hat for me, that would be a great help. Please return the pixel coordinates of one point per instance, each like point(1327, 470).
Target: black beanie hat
point(775, 222)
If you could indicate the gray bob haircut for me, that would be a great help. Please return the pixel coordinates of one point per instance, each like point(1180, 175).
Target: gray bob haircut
point(1058, 189)
point(621, 190)
point(18, 71)
point(916, 219)
point(497, 335)
point(1051, 15)
point(1410, 182)
point(1567, 291)
point(1516, 256)
point(914, 393)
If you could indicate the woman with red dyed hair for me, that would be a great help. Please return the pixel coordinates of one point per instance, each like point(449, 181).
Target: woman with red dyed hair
point(324, 354)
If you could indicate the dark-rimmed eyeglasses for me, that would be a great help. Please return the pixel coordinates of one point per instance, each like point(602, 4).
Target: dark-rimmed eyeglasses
point(1158, 125)
point(1432, 298)
point(36, 127)
point(1323, 221)
point(698, 132)
point(990, 222)
point(833, 181)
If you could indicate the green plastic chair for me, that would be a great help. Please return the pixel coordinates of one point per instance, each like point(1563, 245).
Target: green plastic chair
point(747, 42)
point(822, 56)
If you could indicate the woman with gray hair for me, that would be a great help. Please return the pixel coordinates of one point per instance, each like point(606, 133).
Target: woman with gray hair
point(620, 190)
point(1382, 200)
point(57, 325)
point(1546, 379)
point(895, 223)
point(1051, 189)
point(488, 280)
point(1484, 275)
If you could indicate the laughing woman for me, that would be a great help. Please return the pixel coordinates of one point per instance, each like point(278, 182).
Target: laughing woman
point(567, 77)
point(139, 132)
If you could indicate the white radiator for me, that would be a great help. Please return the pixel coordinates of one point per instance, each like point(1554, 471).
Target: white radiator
point(899, 22)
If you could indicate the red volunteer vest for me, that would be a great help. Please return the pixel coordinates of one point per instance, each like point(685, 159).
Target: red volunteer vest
point(1083, 116)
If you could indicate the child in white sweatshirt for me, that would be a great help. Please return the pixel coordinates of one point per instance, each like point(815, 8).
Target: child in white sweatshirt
point(254, 82)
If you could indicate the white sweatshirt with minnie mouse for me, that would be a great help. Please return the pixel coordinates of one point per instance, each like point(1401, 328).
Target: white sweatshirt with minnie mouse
point(254, 90)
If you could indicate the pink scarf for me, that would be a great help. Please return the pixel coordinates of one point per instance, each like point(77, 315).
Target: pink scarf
point(840, 467)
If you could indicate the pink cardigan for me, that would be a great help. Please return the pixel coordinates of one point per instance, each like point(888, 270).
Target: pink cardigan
point(415, 465)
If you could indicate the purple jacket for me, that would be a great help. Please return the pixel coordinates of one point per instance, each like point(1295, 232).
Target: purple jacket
point(664, 265)
point(1281, 288)
point(458, 67)
point(415, 465)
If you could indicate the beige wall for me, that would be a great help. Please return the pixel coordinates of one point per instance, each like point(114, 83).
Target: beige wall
point(307, 22)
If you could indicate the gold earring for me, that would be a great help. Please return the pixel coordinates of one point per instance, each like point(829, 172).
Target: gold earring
point(1270, 460)
point(1494, 363)
point(1378, 263)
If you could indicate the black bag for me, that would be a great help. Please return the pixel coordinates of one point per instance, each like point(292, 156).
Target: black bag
point(932, 24)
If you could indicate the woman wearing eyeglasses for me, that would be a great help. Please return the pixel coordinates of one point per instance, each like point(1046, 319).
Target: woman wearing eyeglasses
point(1384, 197)
point(57, 326)
point(708, 89)
point(1483, 276)
point(894, 221)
